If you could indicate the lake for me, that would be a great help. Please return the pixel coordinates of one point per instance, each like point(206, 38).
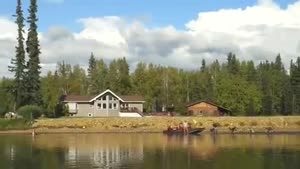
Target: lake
point(149, 151)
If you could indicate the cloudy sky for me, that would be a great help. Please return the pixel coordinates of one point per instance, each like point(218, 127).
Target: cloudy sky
point(170, 32)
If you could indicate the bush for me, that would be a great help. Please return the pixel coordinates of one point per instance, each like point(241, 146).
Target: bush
point(242, 124)
point(30, 112)
point(216, 124)
point(253, 123)
point(14, 124)
point(2, 111)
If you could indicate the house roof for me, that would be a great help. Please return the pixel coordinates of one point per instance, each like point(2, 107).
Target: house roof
point(78, 98)
point(132, 98)
point(106, 91)
point(208, 102)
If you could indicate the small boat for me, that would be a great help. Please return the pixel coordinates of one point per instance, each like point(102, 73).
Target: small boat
point(192, 131)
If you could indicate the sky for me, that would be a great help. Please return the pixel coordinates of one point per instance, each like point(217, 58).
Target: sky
point(170, 32)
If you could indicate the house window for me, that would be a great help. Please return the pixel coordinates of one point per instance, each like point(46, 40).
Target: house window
point(104, 97)
point(110, 106)
point(99, 106)
point(115, 105)
point(110, 97)
point(104, 105)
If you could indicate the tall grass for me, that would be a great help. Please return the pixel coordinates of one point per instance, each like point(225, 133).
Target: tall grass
point(159, 123)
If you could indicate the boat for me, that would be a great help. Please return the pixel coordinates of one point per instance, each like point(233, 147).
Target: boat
point(191, 131)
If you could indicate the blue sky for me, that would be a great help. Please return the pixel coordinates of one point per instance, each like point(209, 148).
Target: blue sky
point(153, 13)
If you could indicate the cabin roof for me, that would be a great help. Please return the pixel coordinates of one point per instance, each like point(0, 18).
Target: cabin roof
point(124, 98)
point(208, 102)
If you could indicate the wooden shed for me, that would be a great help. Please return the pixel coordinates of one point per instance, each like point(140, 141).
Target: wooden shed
point(206, 108)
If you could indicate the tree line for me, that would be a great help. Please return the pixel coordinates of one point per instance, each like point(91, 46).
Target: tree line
point(245, 88)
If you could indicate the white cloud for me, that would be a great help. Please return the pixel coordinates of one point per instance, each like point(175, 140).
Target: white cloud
point(257, 32)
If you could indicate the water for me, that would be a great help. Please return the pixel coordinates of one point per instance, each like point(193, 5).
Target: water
point(149, 151)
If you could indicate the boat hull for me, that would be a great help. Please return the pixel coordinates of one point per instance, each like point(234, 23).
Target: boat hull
point(193, 131)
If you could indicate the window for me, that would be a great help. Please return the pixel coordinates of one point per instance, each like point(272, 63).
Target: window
point(90, 114)
point(104, 97)
point(115, 106)
point(99, 106)
point(104, 106)
point(110, 106)
point(110, 97)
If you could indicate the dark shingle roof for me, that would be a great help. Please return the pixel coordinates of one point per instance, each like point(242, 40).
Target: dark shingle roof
point(132, 98)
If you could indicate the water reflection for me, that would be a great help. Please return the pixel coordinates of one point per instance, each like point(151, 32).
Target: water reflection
point(84, 151)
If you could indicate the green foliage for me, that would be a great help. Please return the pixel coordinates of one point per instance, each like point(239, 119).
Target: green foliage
point(30, 112)
point(295, 83)
point(18, 63)
point(14, 124)
point(7, 98)
point(32, 80)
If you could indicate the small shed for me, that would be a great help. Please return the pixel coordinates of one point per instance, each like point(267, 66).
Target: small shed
point(206, 108)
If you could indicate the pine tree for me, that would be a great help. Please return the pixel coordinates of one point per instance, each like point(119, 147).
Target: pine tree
point(203, 65)
point(18, 63)
point(33, 49)
point(92, 65)
point(295, 81)
point(233, 64)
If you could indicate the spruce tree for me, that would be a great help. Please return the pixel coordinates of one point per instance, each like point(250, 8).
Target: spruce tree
point(33, 50)
point(92, 65)
point(91, 73)
point(18, 63)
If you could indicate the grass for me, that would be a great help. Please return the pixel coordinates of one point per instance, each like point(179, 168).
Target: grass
point(14, 124)
point(161, 123)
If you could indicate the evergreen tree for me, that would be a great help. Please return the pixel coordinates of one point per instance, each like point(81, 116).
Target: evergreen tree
point(33, 49)
point(203, 66)
point(92, 65)
point(98, 82)
point(18, 63)
point(233, 64)
point(295, 82)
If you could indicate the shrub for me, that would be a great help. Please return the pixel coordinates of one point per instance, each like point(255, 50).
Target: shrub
point(298, 123)
point(14, 124)
point(226, 125)
point(216, 124)
point(2, 111)
point(253, 123)
point(242, 123)
point(30, 111)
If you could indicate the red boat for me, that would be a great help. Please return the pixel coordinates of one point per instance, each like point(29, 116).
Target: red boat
point(192, 131)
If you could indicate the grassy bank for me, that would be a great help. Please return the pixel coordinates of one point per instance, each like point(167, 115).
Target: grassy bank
point(14, 124)
point(157, 124)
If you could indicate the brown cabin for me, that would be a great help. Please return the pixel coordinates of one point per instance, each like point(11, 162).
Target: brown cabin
point(205, 108)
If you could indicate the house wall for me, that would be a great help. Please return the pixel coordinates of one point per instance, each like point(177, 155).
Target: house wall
point(204, 109)
point(100, 111)
point(83, 109)
point(101, 107)
point(139, 106)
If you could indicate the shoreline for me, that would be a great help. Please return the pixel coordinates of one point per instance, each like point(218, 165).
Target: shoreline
point(258, 131)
